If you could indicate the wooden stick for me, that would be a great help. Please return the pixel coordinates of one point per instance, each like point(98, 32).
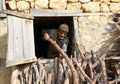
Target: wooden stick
point(103, 67)
point(80, 50)
point(36, 74)
point(49, 78)
point(30, 77)
point(90, 69)
point(75, 75)
point(83, 73)
point(14, 76)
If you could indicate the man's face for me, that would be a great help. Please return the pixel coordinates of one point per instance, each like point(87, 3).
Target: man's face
point(62, 34)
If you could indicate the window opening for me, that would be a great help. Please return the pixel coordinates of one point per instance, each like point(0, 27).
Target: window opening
point(41, 23)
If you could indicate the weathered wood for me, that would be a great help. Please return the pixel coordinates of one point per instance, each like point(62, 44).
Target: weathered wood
point(117, 67)
point(49, 78)
point(83, 72)
point(2, 15)
point(30, 76)
point(18, 14)
point(114, 58)
point(49, 12)
point(103, 69)
point(74, 72)
point(28, 37)
point(60, 73)
point(14, 75)
point(80, 50)
point(20, 41)
point(90, 69)
point(1, 6)
point(36, 73)
point(66, 81)
point(75, 22)
point(115, 81)
point(45, 61)
point(21, 78)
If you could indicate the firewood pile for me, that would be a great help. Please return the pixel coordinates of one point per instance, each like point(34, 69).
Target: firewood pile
point(82, 68)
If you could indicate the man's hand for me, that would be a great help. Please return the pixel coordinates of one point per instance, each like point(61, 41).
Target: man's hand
point(46, 36)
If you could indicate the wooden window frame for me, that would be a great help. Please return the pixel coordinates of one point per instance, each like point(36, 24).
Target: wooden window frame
point(11, 61)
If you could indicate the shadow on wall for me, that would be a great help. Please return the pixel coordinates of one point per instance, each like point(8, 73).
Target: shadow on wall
point(3, 45)
point(5, 73)
point(108, 46)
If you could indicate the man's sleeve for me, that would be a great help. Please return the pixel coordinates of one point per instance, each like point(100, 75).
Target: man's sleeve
point(46, 30)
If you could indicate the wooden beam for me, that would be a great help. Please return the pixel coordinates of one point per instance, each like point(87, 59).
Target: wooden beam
point(49, 12)
point(18, 14)
point(76, 34)
point(3, 5)
point(2, 15)
point(0, 5)
point(53, 13)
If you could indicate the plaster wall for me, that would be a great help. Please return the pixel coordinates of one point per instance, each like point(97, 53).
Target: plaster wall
point(5, 73)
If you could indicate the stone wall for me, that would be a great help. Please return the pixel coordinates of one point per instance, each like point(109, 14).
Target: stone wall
point(94, 34)
point(84, 5)
point(94, 31)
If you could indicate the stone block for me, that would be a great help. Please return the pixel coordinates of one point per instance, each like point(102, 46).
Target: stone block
point(41, 4)
point(23, 5)
point(115, 0)
point(74, 6)
point(12, 5)
point(58, 4)
point(104, 7)
point(91, 7)
point(114, 7)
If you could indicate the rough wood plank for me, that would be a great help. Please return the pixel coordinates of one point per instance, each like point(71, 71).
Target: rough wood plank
point(15, 44)
point(10, 39)
point(20, 41)
point(0, 5)
point(20, 61)
point(14, 75)
point(45, 61)
point(17, 38)
point(3, 5)
point(28, 38)
point(18, 14)
point(48, 12)
point(76, 29)
point(3, 15)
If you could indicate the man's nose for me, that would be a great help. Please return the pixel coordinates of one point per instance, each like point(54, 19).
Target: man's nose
point(63, 34)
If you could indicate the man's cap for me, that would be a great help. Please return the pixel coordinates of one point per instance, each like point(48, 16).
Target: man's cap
point(64, 27)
